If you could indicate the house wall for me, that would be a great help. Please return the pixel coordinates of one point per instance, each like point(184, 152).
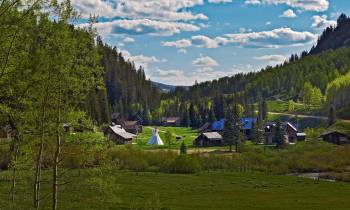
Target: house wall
point(202, 141)
point(337, 139)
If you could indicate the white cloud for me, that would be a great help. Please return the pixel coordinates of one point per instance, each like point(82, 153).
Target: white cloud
point(182, 43)
point(205, 42)
point(143, 26)
point(142, 60)
point(272, 59)
point(140, 9)
point(219, 1)
point(308, 5)
point(321, 22)
point(159, 9)
point(271, 39)
point(97, 7)
point(153, 17)
point(205, 61)
point(253, 2)
point(264, 39)
point(180, 77)
point(289, 14)
point(128, 40)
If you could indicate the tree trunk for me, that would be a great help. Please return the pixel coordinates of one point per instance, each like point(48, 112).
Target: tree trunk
point(38, 172)
point(15, 149)
point(40, 153)
point(57, 154)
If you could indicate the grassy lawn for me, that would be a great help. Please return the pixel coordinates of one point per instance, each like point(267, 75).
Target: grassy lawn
point(187, 135)
point(93, 189)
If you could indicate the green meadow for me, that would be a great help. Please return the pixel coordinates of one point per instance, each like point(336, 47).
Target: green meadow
point(180, 134)
point(113, 189)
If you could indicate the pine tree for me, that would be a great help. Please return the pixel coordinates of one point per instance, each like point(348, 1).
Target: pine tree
point(279, 136)
point(183, 148)
point(232, 133)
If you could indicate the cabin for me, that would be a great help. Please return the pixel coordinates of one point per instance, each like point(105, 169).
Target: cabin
point(171, 121)
point(133, 127)
point(291, 133)
point(247, 126)
point(118, 135)
point(336, 137)
point(208, 139)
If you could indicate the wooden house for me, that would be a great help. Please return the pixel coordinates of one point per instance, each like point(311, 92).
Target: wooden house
point(118, 135)
point(208, 139)
point(290, 131)
point(336, 137)
point(133, 127)
point(171, 121)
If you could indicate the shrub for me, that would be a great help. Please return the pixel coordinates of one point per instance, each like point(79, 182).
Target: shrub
point(185, 164)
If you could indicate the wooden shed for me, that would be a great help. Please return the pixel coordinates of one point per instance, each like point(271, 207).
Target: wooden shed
point(171, 121)
point(118, 135)
point(133, 127)
point(208, 139)
point(336, 137)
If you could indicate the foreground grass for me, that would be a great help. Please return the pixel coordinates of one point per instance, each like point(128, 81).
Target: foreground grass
point(95, 189)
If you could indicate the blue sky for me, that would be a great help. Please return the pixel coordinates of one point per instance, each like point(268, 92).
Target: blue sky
point(181, 41)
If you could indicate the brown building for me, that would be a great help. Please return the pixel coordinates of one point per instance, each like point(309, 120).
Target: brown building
point(336, 137)
point(171, 121)
point(291, 134)
point(133, 127)
point(208, 139)
point(118, 135)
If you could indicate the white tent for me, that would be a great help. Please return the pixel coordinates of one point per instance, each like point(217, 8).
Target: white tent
point(155, 139)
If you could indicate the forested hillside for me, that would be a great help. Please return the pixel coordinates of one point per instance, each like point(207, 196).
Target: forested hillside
point(125, 91)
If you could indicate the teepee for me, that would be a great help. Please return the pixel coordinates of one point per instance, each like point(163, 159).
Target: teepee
point(155, 139)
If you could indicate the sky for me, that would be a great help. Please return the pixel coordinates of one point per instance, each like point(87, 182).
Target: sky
point(179, 42)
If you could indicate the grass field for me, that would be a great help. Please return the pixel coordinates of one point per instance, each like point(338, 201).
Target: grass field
point(101, 190)
point(187, 135)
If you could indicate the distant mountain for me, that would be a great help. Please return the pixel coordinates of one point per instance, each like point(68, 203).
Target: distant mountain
point(334, 37)
point(164, 87)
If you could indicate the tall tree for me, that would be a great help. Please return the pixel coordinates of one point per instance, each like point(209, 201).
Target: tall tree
point(232, 128)
point(279, 136)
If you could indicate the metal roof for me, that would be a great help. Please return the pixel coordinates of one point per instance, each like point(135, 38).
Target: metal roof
point(212, 135)
point(118, 130)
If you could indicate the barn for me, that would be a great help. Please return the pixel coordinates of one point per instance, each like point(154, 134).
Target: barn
point(118, 135)
point(336, 137)
point(208, 139)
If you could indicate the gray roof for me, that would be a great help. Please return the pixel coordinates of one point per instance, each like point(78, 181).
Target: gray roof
point(118, 130)
point(301, 134)
point(212, 135)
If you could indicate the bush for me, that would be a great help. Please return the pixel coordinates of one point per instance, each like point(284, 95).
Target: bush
point(185, 164)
